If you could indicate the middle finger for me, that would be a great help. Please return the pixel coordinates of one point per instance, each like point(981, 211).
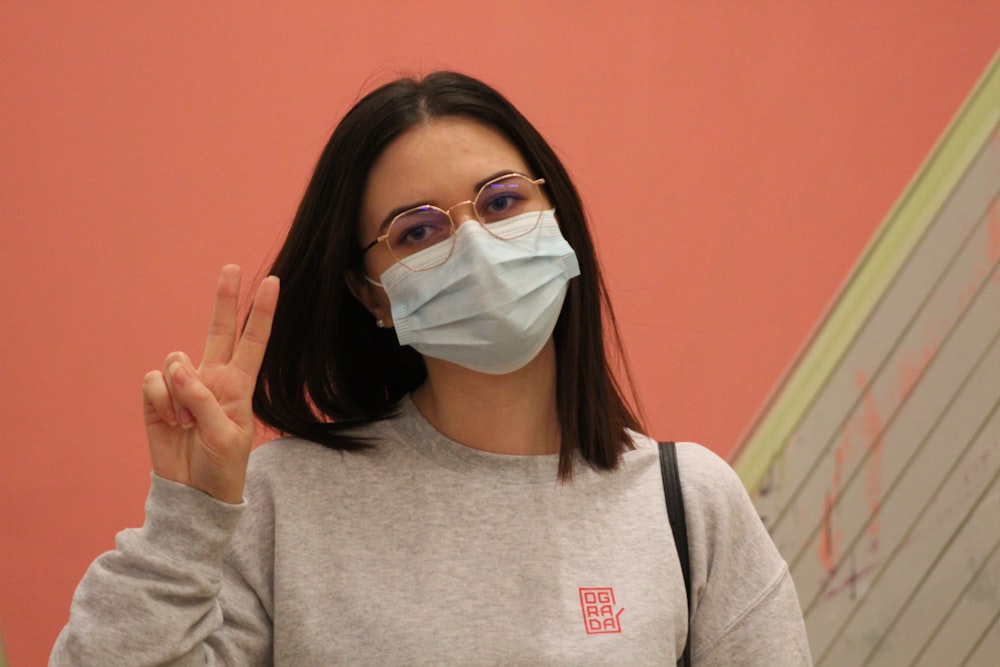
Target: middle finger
point(222, 330)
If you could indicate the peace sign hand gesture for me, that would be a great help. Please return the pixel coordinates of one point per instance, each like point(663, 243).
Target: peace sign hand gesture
point(199, 421)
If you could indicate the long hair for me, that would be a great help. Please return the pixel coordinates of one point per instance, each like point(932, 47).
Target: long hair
point(329, 368)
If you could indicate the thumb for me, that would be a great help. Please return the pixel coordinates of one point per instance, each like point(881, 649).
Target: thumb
point(192, 394)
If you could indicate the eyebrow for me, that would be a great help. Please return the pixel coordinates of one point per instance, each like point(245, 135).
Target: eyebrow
point(406, 207)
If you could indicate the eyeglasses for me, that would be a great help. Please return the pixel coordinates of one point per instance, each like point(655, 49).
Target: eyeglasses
point(507, 207)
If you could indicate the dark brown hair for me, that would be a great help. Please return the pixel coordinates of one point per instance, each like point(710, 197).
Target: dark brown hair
point(328, 367)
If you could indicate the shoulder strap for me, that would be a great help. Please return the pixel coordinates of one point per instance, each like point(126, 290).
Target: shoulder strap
point(678, 525)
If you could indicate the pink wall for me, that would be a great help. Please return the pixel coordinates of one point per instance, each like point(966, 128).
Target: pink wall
point(736, 157)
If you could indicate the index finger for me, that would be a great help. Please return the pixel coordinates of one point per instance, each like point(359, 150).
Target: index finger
point(250, 350)
point(222, 330)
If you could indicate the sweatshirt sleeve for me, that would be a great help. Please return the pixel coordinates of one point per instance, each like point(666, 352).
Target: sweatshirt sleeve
point(157, 599)
point(745, 611)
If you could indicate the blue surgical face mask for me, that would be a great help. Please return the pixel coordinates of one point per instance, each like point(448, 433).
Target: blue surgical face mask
point(493, 305)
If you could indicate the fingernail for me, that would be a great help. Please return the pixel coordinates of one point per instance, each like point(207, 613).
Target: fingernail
point(176, 371)
point(185, 417)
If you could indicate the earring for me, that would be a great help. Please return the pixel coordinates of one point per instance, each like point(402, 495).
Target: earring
point(380, 323)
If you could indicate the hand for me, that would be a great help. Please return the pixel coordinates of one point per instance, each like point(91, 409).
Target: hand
point(199, 421)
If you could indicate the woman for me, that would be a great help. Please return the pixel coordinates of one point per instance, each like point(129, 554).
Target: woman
point(441, 320)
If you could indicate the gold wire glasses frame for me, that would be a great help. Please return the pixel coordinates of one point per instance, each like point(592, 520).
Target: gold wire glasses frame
point(500, 199)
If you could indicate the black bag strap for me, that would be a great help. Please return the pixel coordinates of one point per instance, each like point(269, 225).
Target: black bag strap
point(678, 525)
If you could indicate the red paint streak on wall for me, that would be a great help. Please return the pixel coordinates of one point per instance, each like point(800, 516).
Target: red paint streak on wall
point(867, 424)
point(831, 534)
point(910, 369)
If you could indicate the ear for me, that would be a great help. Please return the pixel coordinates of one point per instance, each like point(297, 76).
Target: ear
point(372, 297)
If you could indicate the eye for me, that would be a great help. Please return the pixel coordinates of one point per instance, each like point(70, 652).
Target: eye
point(501, 203)
point(416, 234)
point(508, 197)
point(418, 229)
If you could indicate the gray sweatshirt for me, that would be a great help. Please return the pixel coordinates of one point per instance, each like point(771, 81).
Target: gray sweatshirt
point(422, 551)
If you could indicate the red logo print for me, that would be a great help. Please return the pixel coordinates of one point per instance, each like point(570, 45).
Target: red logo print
point(599, 614)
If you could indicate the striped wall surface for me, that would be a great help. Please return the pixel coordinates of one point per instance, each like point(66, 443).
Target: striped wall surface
point(876, 464)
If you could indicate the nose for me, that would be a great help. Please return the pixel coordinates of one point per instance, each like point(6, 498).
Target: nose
point(462, 212)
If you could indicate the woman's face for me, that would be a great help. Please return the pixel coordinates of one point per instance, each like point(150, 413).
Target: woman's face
point(441, 162)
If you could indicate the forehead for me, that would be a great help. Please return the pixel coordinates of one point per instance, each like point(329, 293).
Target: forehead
point(439, 162)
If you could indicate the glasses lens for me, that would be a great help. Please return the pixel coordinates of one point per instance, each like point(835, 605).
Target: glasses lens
point(418, 229)
point(510, 206)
